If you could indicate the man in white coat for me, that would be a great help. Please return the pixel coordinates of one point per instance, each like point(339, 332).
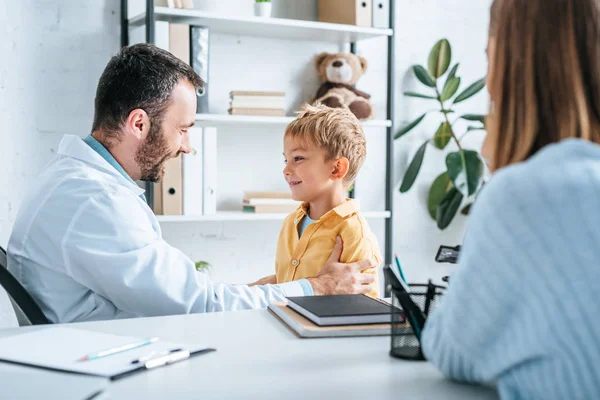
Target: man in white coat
point(86, 245)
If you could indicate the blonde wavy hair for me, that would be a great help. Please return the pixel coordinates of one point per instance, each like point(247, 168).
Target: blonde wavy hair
point(336, 130)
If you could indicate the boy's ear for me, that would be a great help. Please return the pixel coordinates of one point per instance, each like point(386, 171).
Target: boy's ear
point(340, 168)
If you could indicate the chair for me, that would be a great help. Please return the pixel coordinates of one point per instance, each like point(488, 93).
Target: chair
point(27, 310)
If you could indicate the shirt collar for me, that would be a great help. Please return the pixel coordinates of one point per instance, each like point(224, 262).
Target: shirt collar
point(349, 207)
point(74, 147)
point(104, 153)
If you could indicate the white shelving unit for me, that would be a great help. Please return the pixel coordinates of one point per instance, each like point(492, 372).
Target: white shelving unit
point(222, 120)
point(243, 216)
point(280, 28)
point(265, 27)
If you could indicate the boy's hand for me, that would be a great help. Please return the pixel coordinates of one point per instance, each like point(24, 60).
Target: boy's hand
point(267, 280)
point(339, 278)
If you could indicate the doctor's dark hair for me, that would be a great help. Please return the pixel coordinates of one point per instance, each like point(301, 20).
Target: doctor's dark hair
point(139, 76)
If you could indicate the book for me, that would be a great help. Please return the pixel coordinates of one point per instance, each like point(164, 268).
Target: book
point(269, 208)
point(280, 99)
point(304, 328)
point(347, 309)
point(257, 102)
point(193, 174)
point(267, 195)
point(255, 93)
point(267, 112)
point(266, 201)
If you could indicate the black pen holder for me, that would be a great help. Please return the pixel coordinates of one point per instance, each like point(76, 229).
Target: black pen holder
point(408, 323)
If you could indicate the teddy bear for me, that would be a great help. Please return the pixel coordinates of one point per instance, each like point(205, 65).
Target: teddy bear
point(339, 73)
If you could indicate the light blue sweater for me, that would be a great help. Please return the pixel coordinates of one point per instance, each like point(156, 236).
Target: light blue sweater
point(523, 307)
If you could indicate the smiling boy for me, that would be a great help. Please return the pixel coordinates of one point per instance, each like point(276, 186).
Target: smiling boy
point(324, 148)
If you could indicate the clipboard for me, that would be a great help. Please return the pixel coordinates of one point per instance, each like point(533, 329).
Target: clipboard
point(60, 349)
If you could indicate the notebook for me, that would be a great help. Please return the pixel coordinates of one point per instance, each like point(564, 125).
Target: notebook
point(61, 348)
point(347, 309)
point(304, 328)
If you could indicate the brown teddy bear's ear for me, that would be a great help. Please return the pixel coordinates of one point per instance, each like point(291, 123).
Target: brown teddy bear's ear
point(363, 63)
point(319, 59)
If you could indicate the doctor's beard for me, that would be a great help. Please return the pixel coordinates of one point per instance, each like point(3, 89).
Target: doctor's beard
point(153, 154)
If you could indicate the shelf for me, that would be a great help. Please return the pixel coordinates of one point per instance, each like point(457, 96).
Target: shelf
point(280, 28)
point(218, 120)
point(242, 216)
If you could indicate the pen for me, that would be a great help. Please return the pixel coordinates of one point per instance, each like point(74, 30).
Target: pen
point(152, 355)
point(118, 349)
point(400, 268)
point(167, 359)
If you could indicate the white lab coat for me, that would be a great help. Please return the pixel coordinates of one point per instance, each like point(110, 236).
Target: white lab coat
point(87, 247)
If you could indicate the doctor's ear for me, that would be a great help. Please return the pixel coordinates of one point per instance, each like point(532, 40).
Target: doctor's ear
point(138, 123)
point(340, 168)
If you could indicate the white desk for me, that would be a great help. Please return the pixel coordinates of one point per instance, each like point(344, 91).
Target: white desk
point(258, 357)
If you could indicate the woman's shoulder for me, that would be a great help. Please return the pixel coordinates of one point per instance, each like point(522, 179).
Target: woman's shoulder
point(561, 174)
point(570, 163)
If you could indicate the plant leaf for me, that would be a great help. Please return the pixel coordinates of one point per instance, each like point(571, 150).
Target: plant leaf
point(474, 117)
point(448, 208)
point(202, 266)
point(409, 127)
point(413, 169)
point(437, 191)
point(422, 96)
point(470, 91)
point(466, 170)
point(439, 58)
point(450, 89)
point(423, 76)
point(443, 135)
point(452, 72)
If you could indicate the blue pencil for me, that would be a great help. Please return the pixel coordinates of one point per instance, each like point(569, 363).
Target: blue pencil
point(400, 268)
point(118, 349)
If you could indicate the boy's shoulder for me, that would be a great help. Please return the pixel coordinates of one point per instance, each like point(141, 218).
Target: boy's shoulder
point(355, 223)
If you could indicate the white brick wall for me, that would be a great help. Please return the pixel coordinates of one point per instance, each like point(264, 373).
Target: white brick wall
point(53, 51)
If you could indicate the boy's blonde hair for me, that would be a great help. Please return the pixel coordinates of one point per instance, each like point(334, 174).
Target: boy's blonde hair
point(336, 130)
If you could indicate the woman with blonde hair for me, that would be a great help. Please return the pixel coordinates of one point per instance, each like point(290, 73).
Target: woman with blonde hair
point(522, 308)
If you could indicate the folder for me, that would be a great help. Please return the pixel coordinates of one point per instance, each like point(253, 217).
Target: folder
point(179, 41)
point(381, 13)
point(199, 49)
point(193, 174)
point(351, 12)
point(209, 169)
point(172, 200)
point(60, 349)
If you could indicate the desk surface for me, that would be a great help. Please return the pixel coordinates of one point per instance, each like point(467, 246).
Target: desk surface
point(258, 357)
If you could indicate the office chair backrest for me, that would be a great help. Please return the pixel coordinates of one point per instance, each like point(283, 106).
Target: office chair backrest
point(21, 299)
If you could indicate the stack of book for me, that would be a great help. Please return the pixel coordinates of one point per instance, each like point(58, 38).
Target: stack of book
point(337, 316)
point(269, 202)
point(270, 104)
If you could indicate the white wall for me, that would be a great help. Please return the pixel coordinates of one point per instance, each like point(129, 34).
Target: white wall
point(54, 51)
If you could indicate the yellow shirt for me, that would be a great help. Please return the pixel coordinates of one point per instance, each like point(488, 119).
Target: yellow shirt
point(303, 257)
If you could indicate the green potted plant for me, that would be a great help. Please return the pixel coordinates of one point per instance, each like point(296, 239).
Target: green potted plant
point(202, 266)
point(262, 8)
point(464, 168)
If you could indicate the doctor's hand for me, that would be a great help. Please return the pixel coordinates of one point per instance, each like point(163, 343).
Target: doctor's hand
point(339, 278)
